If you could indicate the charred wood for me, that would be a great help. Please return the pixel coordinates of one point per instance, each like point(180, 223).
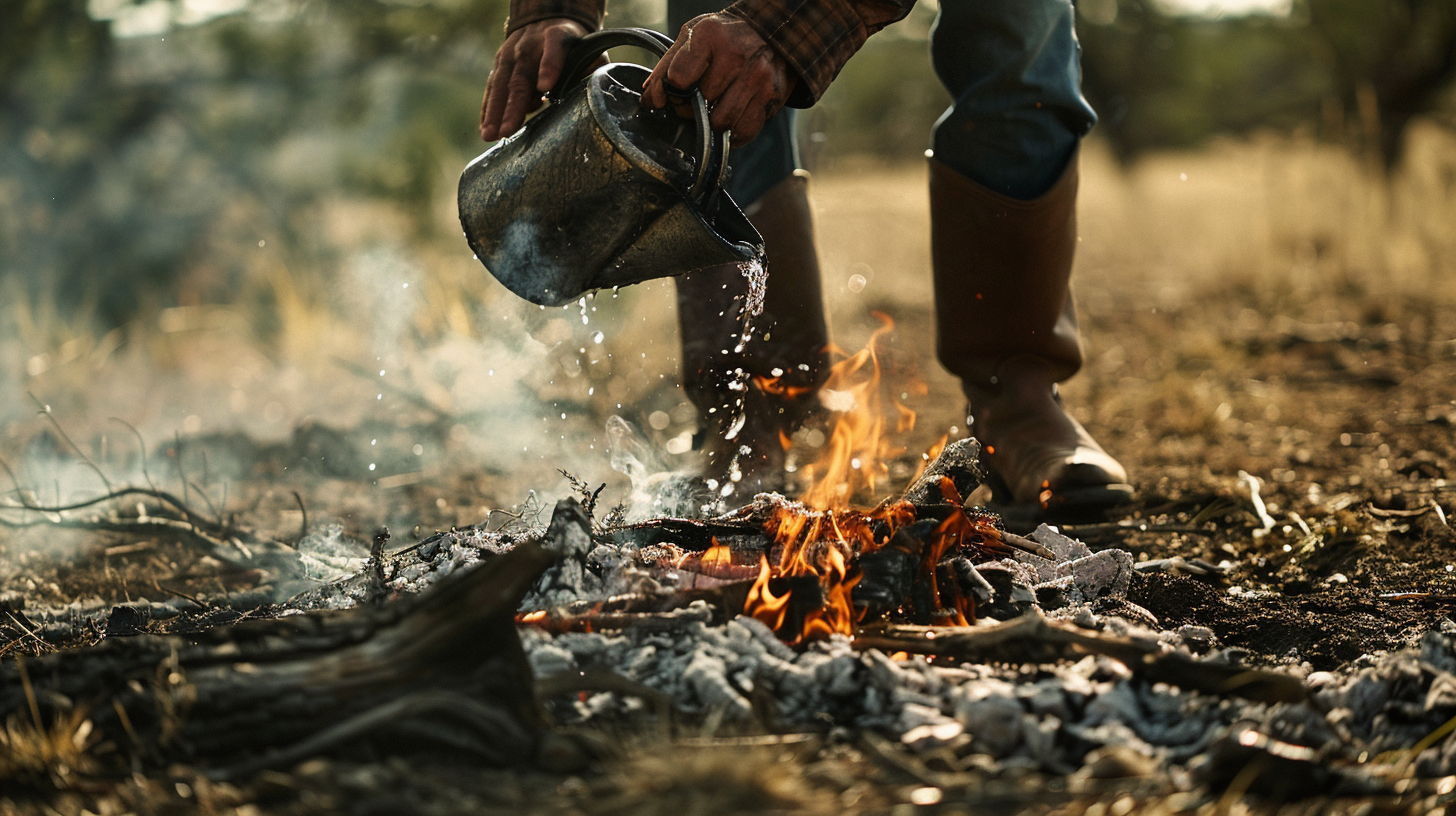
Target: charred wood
point(445, 667)
point(1032, 638)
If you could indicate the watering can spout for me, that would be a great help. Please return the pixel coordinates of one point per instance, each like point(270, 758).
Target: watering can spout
point(597, 191)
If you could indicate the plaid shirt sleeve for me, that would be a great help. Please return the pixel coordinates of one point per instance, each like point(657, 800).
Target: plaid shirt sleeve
point(587, 12)
point(817, 37)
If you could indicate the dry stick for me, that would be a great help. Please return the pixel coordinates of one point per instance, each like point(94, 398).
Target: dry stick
point(1101, 529)
point(46, 409)
point(159, 495)
point(174, 593)
point(216, 547)
point(141, 448)
point(1033, 638)
point(177, 456)
point(557, 624)
point(19, 491)
point(208, 499)
point(27, 630)
point(302, 527)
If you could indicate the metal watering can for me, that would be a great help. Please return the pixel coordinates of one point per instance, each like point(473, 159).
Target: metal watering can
point(597, 191)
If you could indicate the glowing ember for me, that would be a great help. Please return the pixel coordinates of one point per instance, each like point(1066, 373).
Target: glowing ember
point(717, 555)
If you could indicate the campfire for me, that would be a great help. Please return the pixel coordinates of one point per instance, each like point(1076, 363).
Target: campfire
point(824, 537)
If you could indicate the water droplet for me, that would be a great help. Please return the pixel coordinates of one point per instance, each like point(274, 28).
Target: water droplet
point(598, 338)
point(371, 465)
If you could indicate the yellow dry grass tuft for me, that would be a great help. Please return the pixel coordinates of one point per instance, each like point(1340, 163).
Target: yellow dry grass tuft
point(35, 754)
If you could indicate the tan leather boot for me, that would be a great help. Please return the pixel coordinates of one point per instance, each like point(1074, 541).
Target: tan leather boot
point(1006, 326)
point(785, 361)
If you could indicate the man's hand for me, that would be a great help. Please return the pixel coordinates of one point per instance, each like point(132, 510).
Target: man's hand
point(744, 80)
point(527, 66)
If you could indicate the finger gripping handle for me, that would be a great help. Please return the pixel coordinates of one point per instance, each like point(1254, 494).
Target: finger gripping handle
point(583, 52)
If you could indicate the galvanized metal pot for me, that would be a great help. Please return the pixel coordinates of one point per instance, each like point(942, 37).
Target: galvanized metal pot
point(597, 191)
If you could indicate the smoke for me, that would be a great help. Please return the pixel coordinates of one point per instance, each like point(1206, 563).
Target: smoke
point(382, 285)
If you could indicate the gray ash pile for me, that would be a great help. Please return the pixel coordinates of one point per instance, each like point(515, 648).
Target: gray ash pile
point(957, 640)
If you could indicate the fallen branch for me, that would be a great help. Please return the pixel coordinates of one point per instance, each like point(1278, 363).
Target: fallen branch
point(1032, 638)
point(222, 540)
point(444, 668)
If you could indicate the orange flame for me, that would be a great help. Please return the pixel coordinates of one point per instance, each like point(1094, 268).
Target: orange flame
point(822, 535)
point(717, 555)
point(855, 456)
point(837, 615)
point(762, 604)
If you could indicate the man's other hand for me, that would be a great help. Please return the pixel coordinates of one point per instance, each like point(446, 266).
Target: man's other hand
point(744, 80)
point(527, 66)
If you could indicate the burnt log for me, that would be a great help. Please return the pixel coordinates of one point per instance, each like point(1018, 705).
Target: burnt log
point(959, 461)
point(445, 668)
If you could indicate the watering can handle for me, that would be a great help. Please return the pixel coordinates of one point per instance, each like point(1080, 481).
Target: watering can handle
point(583, 52)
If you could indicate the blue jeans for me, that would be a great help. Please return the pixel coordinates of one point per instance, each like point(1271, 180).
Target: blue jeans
point(1012, 68)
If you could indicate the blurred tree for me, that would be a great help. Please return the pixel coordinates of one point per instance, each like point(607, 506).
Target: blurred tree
point(1165, 80)
point(1159, 80)
point(144, 140)
point(1389, 61)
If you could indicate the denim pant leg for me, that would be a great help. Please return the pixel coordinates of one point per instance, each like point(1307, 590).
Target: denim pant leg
point(1012, 67)
point(773, 155)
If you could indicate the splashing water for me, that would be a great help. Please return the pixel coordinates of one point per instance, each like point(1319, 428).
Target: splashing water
point(755, 272)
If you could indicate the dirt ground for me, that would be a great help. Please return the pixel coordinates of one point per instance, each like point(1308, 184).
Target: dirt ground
point(1269, 308)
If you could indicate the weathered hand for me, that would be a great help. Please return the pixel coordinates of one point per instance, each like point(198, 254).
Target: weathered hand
point(527, 65)
point(744, 80)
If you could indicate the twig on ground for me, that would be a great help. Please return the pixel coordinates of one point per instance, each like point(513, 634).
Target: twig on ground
point(303, 525)
point(557, 622)
point(188, 514)
point(184, 596)
point(1033, 638)
point(177, 457)
point(28, 631)
point(141, 448)
point(46, 409)
point(1081, 530)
